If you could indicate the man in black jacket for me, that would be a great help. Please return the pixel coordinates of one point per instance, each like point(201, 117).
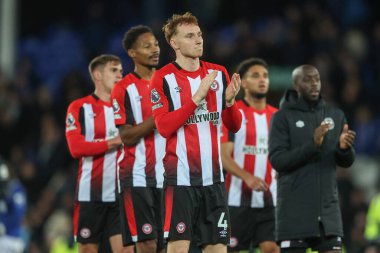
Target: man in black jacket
point(308, 139)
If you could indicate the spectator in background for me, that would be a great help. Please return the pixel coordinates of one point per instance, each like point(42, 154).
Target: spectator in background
point(372, 228)
point(12, 211)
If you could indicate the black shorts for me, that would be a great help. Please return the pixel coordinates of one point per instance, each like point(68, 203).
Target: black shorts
point(251, 225)
point(198, 214)
point(141, 210)
point(320, 244)
point(93, 220)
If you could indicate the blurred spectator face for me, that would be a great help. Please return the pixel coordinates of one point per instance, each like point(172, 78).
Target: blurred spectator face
point(145, 51)
point(4, 177)
point(188, 41)
point(256, 81)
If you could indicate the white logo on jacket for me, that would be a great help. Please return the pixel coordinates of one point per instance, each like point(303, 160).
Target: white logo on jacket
point(300, 124)
point(329, 121)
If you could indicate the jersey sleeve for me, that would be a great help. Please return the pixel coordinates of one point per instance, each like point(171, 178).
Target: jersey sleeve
point(78, 146)
point(167, 119)
point(121, 106)
point(231, 116)
point(226, 135)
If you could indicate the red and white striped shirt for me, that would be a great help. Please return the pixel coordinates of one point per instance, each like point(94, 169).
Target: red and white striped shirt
point(89, 124)
point(251, 153)
point(142, 163)
point(193, 132)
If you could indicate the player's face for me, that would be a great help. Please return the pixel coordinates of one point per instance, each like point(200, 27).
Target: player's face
point(111, 73)
point(308, 84)
point(256, 81)
point(188, 40)
point(146, 50)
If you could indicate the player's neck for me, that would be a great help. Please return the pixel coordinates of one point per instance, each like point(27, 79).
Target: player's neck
point(187, 63)
point(144, 72)
point(102, 95)
point(257, 103)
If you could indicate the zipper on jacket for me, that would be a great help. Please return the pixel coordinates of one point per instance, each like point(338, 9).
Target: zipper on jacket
point(317, 124)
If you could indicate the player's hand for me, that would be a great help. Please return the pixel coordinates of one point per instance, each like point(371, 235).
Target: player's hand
point(233, 89)
point(347, 138)
point(256, 183)
point(114, 142)
point(205, 85)
point(320, 133)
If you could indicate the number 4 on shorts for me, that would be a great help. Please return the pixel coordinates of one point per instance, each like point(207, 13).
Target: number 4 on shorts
point(222, 223)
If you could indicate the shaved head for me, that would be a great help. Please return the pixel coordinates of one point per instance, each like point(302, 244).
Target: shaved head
point(300, 71)
point(307, 83)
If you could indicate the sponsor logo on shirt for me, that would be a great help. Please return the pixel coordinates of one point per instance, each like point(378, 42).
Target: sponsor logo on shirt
point(156, 106)
point(223, 233)
point(204, 117)
point(70, 123)
point(253, 150)
point(178, 89)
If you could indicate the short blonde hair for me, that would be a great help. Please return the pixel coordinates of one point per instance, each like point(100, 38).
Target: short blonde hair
point(170, 28)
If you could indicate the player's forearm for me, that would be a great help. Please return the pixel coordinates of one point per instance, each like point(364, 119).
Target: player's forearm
point(232, 167)
point(80, 148)
point(232, 118)
point(131, 135)
point(170, 122)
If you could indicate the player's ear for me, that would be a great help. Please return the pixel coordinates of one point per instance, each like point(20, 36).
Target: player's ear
point(97, 74)
point(131, 53)
point(173, 43)
point(243, 83)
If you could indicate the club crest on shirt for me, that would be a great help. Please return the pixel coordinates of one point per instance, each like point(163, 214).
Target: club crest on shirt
point(300, 124)
point(214, 86)
point(181, 227)
point(147, 228)
point(154, 96)
point(85, 233)
point(70, 123)
point(233, 242)
point(330, 122)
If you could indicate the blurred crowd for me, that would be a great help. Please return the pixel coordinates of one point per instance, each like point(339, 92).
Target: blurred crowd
point(341, 38)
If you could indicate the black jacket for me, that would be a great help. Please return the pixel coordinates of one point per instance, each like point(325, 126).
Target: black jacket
point(307, 189)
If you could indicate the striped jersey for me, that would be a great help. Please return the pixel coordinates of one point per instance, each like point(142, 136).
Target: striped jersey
point(251, 154)
point(193, 147)
point(142, 163)
point(89, 124)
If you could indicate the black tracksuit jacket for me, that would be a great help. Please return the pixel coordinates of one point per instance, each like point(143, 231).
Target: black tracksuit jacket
point(307, 190)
